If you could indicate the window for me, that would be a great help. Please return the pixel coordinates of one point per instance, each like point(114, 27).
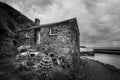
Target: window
point(53, 31)
point(27, 35)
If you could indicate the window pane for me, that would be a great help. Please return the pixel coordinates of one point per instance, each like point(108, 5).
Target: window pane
point(53, 31)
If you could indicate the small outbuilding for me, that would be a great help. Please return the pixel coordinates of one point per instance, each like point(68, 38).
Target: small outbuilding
point(62, 36)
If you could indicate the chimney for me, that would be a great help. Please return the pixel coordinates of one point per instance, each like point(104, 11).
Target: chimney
point(37, 21)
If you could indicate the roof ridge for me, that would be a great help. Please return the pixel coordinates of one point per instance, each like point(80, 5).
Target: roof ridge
point(62, 21)
point(49, 24)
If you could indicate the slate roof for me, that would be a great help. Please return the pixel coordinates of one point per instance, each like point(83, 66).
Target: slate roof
point(51, 24)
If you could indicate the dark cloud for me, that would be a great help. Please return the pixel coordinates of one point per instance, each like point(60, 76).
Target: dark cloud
point(105, 22)
point(40, 3)
point(90, 5)
point(25, 5)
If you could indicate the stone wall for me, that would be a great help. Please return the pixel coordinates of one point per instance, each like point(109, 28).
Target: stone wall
point(62, 42)
point(65, 43)
point(26, 40)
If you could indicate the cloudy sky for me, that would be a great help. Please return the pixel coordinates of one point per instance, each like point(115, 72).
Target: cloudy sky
point(98, 20)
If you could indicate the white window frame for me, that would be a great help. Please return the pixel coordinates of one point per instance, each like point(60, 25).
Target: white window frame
point(51, 31)
point(38, 37)
point(27, 34)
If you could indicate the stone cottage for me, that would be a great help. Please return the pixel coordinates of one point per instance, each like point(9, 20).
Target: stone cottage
point(60, 39)
point(62, 36)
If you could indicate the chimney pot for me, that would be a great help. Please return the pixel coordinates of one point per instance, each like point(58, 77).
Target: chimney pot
point(37, 21)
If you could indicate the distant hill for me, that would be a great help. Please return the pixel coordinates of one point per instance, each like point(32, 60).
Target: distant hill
point(116, 48)
point(10, 21)
point(11, 16)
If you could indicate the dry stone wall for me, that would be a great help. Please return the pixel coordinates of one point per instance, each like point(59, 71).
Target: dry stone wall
point(61, 43)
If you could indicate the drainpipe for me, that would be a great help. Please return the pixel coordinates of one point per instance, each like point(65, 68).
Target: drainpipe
point(36, 37)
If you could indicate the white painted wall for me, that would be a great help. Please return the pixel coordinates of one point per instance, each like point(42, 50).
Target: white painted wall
point(38, 37)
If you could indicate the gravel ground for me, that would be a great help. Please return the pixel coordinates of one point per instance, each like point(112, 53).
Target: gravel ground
point(97, 71)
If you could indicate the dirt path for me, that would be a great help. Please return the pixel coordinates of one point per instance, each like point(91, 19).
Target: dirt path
point(98, 71)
